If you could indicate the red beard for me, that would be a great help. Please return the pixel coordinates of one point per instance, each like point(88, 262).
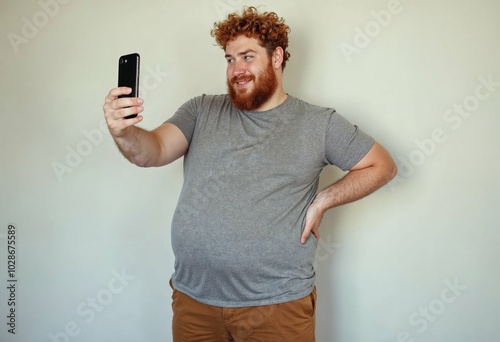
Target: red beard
point(265, 85)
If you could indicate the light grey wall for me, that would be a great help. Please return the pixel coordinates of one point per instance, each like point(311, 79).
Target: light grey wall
point(417, 261)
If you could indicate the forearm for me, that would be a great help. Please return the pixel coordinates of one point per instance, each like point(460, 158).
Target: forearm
point(139, 146)
point(356, 184)
point(353, 186)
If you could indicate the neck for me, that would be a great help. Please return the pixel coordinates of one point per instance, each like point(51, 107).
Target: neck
point(278, 98)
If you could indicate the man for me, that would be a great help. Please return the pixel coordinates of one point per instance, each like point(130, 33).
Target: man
point(245, 229)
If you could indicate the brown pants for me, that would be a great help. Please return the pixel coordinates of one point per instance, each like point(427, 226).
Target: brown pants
point(286, 322)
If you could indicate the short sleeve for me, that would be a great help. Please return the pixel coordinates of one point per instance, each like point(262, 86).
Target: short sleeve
point(185, 117)
point(345, 144)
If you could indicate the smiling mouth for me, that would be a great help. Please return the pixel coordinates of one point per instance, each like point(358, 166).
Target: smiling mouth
point(242, 82)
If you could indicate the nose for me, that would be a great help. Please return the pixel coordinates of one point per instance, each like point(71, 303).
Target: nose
point(238, 69)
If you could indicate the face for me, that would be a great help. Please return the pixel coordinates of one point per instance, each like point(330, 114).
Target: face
point(251, 79)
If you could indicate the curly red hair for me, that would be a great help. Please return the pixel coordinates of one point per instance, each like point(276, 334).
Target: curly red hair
point(267, 27)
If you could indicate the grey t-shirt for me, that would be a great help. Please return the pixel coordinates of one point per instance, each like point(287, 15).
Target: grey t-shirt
point(249, 178)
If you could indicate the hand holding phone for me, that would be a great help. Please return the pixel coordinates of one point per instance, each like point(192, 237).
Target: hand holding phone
point(128, 75)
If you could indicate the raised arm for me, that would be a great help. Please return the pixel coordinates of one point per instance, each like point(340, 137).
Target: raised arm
point(372, 172)
point(144, 148)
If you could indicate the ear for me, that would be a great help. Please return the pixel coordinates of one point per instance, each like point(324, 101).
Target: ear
point(277, 57)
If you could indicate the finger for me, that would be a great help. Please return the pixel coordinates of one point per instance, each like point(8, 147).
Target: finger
point(126, 102)
point(310, 227)
point(131, 121)
point(122, 113)
point(305, 234)
point(115, 92)
point(118, 115)
point(117, 127)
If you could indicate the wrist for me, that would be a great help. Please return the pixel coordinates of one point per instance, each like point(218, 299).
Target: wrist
point(321, 202)
point(120, 134)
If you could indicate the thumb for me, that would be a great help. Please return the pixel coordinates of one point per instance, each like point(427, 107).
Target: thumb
point(305, 233)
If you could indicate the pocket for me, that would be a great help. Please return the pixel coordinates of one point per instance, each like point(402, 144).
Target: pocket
point(313, 297)
point(308, 304)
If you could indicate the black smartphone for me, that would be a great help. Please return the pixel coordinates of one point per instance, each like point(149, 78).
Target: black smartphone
point(128, 75)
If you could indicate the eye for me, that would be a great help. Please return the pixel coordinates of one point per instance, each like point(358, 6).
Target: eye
point(247, 58)
point(229, 60)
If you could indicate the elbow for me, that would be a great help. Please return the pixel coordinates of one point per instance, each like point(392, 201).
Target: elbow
point(393, 171)
point(387, 172)
point(140, 162)
point(148, 162)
